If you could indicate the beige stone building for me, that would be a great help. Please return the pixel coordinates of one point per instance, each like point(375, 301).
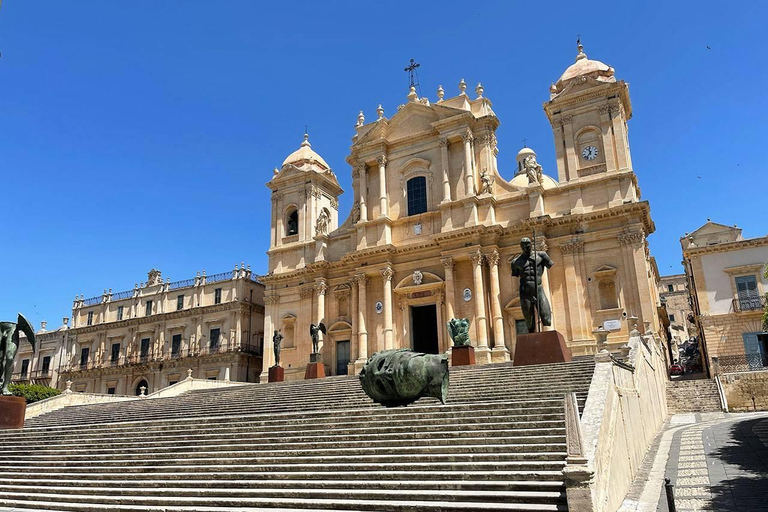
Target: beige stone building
point(435, 225)
point(725, 276)
point(43, 365)
point(673, 290)
point(151, 335)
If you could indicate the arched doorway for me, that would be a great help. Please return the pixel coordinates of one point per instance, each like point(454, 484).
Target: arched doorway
point(141, 383)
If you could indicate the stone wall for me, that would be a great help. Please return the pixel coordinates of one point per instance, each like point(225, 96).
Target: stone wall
point(625, 409)
point(745, 391)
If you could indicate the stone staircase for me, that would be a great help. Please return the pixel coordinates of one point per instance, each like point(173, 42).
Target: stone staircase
point(698, 395)
point(498, 444)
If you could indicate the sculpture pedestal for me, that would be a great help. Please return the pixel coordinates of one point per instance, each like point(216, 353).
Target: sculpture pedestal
point(276, 374)
point(315, 371)
point(541, 348)
point(463, 355)
point(12, 410)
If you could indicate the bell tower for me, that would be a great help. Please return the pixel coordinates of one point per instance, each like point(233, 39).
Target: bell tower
point(305, 209)
point(589, 109)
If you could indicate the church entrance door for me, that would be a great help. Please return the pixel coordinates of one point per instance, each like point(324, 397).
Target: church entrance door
point(424, 329)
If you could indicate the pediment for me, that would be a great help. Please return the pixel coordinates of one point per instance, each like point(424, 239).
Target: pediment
point(710, 228)
point(605, 271)
point(514, 303)
point(417, 279)
point(412, 119)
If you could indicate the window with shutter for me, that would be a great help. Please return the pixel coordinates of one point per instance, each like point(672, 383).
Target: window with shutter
point(749, 298)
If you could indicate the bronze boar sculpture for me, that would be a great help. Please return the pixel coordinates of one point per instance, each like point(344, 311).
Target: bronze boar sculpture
point(399, 377)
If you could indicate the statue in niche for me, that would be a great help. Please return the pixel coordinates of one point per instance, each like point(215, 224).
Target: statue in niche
point(529, 267)
point(486, 182)
point(277, 338)
point(458, 330)
point(323, 221)
point(9, 346)
point(356, 212)
point(532, 169)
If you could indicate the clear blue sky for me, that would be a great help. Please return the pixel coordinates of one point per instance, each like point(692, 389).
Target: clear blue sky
point(140, 134)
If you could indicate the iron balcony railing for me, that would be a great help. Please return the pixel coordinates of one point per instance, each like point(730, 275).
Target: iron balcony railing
point(742, 363)
point(186, 283)
point(127, 294)
point(93, 301)
point(215, 278)
point(749, 304)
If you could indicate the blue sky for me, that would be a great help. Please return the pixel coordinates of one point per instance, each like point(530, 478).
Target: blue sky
point(140, 134)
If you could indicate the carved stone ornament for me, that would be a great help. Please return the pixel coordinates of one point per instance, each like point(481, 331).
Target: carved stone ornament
point(447, 262)
point(382, 159)
point(443, 143)
point(379, 307)
point(418, 277)
point(323, 222)
point(492, 258)
point(387, 273)
point(532, 169)
point(476, 257)
point(467, 295)
point(356, 212)
point(631, 238)
point(154, 277)
point(486, 182)
point(321, 286)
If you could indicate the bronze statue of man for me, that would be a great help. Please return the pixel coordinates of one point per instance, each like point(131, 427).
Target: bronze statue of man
point(277, 338)
point(529, 267)
point(9, 345)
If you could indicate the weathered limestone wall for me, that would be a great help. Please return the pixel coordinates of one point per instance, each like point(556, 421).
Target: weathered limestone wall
point(746, 391)
point(625, 408)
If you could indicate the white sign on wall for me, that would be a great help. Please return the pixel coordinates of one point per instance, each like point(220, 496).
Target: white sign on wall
point(467, 295)
point(612, 325)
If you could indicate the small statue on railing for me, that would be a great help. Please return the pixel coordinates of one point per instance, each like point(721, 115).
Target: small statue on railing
point(458, 330)
point(9, 346)
point(277, 338)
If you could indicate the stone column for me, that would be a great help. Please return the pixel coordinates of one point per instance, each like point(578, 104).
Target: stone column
point(469, 176)
point(362, 333)
point(570, 151)
point(383, 210)
point(321, 286)
point(389, 342)
point(498, 321)
point(444, 160)
point(574, 290)
point(479, 298)
point(449, 291)
point(361, 169)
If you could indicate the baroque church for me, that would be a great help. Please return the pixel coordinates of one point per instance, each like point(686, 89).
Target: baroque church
point(435, 224)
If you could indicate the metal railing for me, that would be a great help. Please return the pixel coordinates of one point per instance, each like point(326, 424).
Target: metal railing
point(93, 301)
point(749, 304)
point(221, 276)
point(743, 363)
point(127, 294)
point(184, 283)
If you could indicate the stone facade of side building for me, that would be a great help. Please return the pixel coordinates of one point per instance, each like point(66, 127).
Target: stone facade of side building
point(152, 335)
point(673, 290)
point(435, 224)
point(44, 364)
point(725, 276)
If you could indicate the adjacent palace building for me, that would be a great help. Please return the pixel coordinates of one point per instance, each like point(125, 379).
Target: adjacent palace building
point(435, 224)
point(150, 336)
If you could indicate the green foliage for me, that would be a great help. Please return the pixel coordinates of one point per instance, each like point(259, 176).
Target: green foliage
point(33, 392)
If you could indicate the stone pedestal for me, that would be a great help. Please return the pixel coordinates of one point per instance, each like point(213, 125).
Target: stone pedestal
point(315, 371)
point(276, 374)
point(463, 355)
point(541, 348)
point(12, 410)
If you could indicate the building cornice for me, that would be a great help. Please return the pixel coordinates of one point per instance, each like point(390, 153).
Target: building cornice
point(726, 246)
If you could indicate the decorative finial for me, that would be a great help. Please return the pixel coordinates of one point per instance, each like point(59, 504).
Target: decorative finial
point(440, 93)
point(189, 373)
point(580, 47)
point(479, 90)
point(380, 111)
point(412, 94)
point(306, 139)
point(552, 88)
point(360, 119)
point(462, 87)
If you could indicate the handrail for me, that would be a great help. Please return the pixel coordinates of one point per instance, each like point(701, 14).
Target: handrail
point(574, 440)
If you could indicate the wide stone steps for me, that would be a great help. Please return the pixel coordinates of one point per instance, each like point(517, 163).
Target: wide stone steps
point(498, 444)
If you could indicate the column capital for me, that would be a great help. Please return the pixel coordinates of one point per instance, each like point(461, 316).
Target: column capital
point(572, 246)
point(476, 257)
point(443, 142)
point(321, 285)
point(307, 292)
point(361, 279)
point(271, 299)
point(631, 238)
point(492, 258)
point(447, 262)
point(467, 136)
point(382, 159)
point(387, 273)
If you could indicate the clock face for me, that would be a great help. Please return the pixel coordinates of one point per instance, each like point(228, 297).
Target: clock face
point(589, 153)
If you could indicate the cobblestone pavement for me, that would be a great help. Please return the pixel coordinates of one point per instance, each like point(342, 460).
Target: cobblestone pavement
point(717, 462)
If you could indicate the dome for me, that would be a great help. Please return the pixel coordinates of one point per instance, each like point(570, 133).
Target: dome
point(585, 67)
point(524, 153)
point(521, 178)
point(305, 153)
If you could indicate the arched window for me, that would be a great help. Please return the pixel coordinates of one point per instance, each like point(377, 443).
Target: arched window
point(292, 222)
point(608, 297)
point(417, 195)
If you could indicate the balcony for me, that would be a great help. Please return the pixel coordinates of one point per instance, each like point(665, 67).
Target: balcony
point(742, 363)
point(749, 304)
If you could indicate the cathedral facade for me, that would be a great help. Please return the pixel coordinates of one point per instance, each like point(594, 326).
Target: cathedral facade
point(435, 224)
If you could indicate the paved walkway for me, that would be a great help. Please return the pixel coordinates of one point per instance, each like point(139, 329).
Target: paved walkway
point(716, 461)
